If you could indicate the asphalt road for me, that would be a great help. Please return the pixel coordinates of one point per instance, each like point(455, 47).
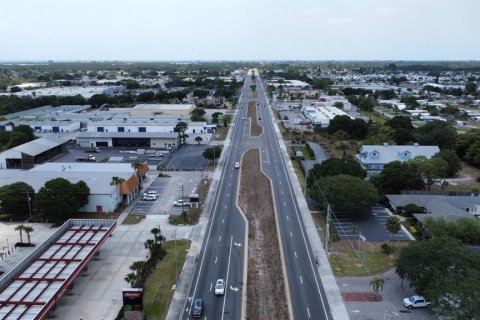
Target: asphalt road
point(307, 295)
point(222, 253)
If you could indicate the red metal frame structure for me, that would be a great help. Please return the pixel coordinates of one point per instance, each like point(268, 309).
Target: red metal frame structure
point(34, 286)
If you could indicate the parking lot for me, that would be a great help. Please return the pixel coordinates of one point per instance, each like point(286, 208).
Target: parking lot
point(188, 158)
point(169, 189)
point(371, 224)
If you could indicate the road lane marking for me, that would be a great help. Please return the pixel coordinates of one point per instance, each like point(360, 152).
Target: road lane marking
point(291, 234)
point(220, 239)
point(225, 206)
point(288, 218)
point(223, 220)
point(211, 285)
point(301, 280)
point(296, 254)
point(284, 203)
point(226, 280)
point(216, 260)
point(308, 311)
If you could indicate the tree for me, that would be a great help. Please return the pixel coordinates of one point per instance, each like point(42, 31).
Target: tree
point(131, 278)
point(20, 228)
point(446, 272)
point(212, 153)
point(136, 165)
point(198, 115)
point(430, 169)
point(473, 154)
point(97, 100)
point(334, 166)
point(15, 198)
point(198, 139)
point(82, 192)
point(470, 88)
point(28, 230)
point(182, 127)
point(345, 193)
point(58, 199)
point(377, 285)
point(393, 226)
point(397, 176)
point(437, 133)
point(138, 267)
point(216, 116)
point(117, 182)
point(454, 163)
point(150, 245)
point(226, 120)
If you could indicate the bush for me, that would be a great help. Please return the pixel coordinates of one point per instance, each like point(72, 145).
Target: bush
point(386, 248)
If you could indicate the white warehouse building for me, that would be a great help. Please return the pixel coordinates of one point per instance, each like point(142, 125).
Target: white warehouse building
point(321, 116)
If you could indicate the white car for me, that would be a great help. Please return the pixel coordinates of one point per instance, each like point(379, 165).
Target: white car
point(181, 203)
point(150, 197)
point(151, 193)
point(415, 302)
point(220, 287)
point(237, 165)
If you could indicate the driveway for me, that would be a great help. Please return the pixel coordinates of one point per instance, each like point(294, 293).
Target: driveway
point(390, 306)
point(188, 158)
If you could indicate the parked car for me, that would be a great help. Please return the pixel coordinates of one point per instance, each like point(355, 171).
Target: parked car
point(220, 287)
point(151, 193)
point(197, 308)
point(150, 197)
point(237, 165)
point(181, 203)
point(415, 302)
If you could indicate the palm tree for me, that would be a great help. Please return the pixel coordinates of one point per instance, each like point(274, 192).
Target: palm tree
point(155, 232)
point(116, 181)
point(28, 229)
point(20, 228)
point(198, 139)
point(137, 267)
point(131, 278)
point(377, 285)
point(136, 166)
point(150, 245)
point(393, 226)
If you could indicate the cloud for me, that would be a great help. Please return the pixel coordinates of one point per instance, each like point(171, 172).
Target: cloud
point(386, 11)
point(340, 21)
point(315, 11)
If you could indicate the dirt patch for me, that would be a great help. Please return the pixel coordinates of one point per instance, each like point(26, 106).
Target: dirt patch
point(361, 296)
point(255, 129)
point(266, 287)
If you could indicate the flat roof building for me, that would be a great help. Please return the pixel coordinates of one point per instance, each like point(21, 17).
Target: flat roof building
point(159, 109)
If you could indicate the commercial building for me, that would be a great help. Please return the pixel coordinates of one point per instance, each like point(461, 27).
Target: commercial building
point(43, 126)
point(29, 154)
point(373, 158)
point(158, 140)
point(321, 116)
point(162, 109)
point(104, 197)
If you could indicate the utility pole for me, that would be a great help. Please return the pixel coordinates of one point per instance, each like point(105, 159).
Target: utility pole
point(183, 208)
point(327, 234)
point(176, 262)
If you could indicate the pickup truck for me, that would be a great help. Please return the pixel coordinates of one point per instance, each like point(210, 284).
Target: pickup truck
point(88, 158)
point(90, 150)
point(415, 302)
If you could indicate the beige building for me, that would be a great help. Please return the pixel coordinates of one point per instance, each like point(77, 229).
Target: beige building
point(162, 109)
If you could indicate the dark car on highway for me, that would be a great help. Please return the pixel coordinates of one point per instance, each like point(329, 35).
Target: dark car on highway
point(197, 309)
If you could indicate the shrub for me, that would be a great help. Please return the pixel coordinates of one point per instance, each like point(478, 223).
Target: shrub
point(386, 248)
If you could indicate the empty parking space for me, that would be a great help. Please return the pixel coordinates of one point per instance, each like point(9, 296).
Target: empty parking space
point(188, 157)
point(371, 224)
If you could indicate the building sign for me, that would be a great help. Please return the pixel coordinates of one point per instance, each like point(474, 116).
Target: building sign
point(132, 299)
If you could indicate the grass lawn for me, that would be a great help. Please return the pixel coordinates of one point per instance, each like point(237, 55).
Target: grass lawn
point(133, 218)
point(192, 217)
point(299, 173)
point(158, 291)
point(369, 261)
point(375, 117)
point(305, 153)
point(221, 133)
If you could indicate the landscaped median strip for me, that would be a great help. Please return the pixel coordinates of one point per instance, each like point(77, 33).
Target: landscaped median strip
point(255, 129)
point(266, 297)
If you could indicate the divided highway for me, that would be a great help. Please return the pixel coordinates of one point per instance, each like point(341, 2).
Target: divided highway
point(222, 252)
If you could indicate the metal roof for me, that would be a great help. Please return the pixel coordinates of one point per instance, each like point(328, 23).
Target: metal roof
point(40, 145)
point(164, 135)
point(33, 287)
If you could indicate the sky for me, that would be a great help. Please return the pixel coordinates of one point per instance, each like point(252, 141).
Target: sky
point(239, 30)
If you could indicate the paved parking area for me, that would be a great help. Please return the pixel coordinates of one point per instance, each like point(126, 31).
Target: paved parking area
point(371, 224)
point(390, 307)
point(188, 157)
point(169, 189)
